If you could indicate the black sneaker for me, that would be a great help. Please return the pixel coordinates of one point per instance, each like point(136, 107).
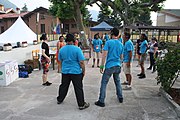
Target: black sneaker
point(86, 105)
point(149, 68)
point(48, 83)
point(92, 66)
point(139, 74)
point(98, 103)
point(58, 102)
point(142, 76)
point(121, 100)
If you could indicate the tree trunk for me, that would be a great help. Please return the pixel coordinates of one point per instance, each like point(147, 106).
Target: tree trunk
point(80, 26)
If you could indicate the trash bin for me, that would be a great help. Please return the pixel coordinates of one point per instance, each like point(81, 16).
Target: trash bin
point(18, 44)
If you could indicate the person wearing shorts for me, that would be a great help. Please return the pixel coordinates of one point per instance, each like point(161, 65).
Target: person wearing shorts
point(45, 59)
point(143, 49)
point(97, 48)
point(127, 61)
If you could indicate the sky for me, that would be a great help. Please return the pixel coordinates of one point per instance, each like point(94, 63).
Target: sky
point(33, 4)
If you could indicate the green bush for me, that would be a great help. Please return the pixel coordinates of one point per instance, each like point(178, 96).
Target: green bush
point(168, 68)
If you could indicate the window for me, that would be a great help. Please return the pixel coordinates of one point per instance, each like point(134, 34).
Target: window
point(42, 28)
point(73, 25)
point(42, 16)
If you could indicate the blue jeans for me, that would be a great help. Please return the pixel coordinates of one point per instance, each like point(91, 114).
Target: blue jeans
point(115, 71)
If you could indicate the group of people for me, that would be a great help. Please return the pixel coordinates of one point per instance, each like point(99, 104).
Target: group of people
point(116, 52)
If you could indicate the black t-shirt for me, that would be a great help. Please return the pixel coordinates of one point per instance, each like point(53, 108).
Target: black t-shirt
point(46, 48)
point(138, 45)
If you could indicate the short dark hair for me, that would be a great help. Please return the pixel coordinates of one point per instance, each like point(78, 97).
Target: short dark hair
point(115, 32)
point(43, 37)
point(69, 38)
point(145, 36)
point(61, 37)
point(154, 38)
point(127, 35)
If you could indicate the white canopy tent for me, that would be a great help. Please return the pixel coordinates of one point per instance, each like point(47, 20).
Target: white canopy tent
point(18, 32)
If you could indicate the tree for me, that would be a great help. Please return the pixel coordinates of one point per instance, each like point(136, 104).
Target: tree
point(106, 14)
point(131, 10)
point(24, 9)
point(72, 9)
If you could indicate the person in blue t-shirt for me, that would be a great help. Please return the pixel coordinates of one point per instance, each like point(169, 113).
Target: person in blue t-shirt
point(72, 64)
point(112, 52)
point(128, 56)
point(106, 37)
point(143, 49)
point(120, 39)
point(97, 48)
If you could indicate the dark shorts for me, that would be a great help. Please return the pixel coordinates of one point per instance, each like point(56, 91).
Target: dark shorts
point(45, 65)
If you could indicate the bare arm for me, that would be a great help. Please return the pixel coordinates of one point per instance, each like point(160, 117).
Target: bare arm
point(104, 54)
point(83, 67)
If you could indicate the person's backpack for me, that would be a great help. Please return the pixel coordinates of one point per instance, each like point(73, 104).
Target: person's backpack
point(25, 68)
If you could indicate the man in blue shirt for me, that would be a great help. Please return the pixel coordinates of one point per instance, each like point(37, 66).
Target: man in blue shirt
point(97, 48)
point(128, 56)
point(73, 69)
point(112, 52)
point(143, 49)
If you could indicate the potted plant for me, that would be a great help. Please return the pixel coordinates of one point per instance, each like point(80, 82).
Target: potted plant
point(24, 44)
point(168, 71)
point(35, 42)
point(7, 47)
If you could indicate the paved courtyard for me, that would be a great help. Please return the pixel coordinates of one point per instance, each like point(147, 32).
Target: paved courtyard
point(27, 99)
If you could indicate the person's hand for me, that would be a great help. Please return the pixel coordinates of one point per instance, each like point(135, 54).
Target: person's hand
point(101, 69)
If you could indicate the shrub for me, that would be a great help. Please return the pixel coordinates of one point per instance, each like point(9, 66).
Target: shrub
point(168, 68)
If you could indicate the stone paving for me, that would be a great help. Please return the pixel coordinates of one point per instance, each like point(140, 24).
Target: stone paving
point(27, 99)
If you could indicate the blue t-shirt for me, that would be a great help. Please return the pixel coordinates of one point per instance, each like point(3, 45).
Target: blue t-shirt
point(70, 56)
point(115, 50)
point(106, 37)
point(143, 46)
point(121, 40)
point(128, 46)
point(97, 45)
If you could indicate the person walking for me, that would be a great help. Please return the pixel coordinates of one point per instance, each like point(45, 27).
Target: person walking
point(153, 53)
point(143, 49)
point(97, 48)
point(59, 45)
point(45, 59)
point(127, 59)
point(73, 69)
point(112, 52)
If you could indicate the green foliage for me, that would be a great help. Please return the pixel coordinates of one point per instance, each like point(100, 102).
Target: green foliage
point(105, 14)
point(168, 68)
point(64, 9)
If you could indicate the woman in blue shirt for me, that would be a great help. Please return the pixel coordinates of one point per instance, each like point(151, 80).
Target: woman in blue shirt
point(143, 49)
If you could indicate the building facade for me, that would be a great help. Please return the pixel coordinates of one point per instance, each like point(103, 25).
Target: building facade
point(168, 17)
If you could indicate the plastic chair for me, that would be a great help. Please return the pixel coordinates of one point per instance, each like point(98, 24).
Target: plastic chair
point(36, 58)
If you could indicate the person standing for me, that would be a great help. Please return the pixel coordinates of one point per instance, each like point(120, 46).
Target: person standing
point(143, 49)
point(127, 59)
point(112, 52)
point(97, 48)
point(138, 44)
point(59, 45)
point(73, 69)
point(106, 37)
point(45, 59)
point(153, 53)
